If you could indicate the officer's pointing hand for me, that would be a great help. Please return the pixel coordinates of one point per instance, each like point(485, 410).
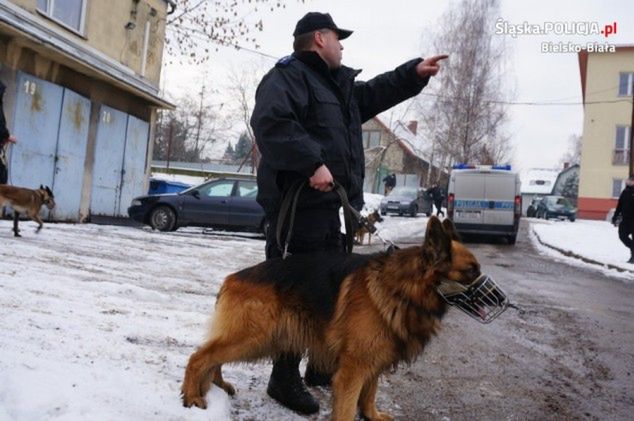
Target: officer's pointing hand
point(429, 66)
point(322, 179)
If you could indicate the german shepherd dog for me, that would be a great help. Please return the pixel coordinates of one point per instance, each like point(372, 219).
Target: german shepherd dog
point(362, 231)
point(26, 201)
point(355, 315)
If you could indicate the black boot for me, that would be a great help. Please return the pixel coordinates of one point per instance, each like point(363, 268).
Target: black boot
point(286, 386)
point(631, 257)
point(313, 377)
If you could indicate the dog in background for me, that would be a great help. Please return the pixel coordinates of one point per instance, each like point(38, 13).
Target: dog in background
point(362, 231)
point(355, 315)
point(26, 201)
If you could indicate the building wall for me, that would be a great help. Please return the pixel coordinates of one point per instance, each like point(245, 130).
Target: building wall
point(105, 30)
point(599, 131)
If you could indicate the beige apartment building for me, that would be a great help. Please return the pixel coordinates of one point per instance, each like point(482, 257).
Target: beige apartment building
point(606, 84)
point(82, 95)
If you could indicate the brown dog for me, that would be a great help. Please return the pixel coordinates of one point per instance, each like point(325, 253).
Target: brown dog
point(26, 201)
point(356, 315)
point(362, 231)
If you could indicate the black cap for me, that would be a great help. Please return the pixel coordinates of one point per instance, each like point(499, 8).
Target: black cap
point(313, 21)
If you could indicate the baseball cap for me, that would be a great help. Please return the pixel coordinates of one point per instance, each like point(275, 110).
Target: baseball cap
point(313, 21)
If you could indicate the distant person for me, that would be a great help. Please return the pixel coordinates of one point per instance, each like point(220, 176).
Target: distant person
point(5, 139)
point(390, 182)
point(437, 196)
point(625, 209)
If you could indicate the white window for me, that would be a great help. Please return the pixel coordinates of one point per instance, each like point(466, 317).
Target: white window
point(621, 154)
point(617, 187)
point(70, 13)
point(371, 139)
point(625, 84)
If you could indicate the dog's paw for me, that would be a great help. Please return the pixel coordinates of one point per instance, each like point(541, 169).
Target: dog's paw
point(198, 401)
point(382, 416)
point(228, 387)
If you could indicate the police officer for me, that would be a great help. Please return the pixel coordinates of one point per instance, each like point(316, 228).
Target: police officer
point(625, 209)
point(307, 124)
point(5, 139)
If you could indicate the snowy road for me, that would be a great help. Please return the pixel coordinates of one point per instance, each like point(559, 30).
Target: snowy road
point(97, 322)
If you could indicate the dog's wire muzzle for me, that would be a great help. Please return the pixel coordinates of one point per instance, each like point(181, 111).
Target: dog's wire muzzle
point(482, 299)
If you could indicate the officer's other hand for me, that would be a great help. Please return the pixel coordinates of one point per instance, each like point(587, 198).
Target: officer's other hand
point(12, 139)
point(322, 179)
point(430, 66)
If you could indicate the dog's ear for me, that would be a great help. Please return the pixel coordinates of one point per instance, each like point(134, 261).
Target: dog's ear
point(50, 193)
point(450, 229)
point(437, 244)
point(41, 187)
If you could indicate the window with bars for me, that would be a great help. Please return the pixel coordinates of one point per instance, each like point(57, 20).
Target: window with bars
point(621, 155)
point(625, 83)
point(617, 187)
point(371, 139)
point(69, 13)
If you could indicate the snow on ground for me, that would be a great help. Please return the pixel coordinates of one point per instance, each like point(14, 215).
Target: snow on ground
point(97, 322)
point(594, 240)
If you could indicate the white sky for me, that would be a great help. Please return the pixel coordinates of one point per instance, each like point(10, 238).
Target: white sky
point(388, 33)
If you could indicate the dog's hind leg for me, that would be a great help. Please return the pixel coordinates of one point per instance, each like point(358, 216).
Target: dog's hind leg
point(16, 219)
point(216, 378)
point(367, 402)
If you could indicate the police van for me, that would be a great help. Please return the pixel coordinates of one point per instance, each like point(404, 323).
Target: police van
point(485, 200)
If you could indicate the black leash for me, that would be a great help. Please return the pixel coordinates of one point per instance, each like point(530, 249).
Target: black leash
point(289, 207)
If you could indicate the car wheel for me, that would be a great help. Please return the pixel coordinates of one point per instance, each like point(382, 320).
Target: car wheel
point(163, 218)
point(428, 214)
point(572, 219)
point(414, 211)
point(383, 213)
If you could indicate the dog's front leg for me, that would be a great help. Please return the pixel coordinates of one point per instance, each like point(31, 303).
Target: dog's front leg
point(346, 388)
point(367, 402)
point(36, 218)
point(16, 219)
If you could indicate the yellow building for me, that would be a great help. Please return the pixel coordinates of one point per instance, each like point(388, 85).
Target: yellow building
point(606, 84)
point(82, 95)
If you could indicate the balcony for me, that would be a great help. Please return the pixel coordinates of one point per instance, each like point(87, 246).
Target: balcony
point(621, 157)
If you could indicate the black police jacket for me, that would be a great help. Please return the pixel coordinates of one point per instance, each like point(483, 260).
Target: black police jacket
point(625, 205)
point(4, 132)
point(305, 116)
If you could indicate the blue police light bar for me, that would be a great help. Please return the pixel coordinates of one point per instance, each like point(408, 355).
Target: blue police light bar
point(463, 167)
point(506, 167)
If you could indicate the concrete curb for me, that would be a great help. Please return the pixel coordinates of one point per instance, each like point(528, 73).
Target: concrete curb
point(569, 253)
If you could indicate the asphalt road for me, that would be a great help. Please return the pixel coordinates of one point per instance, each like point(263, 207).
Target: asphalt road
point(568, 355)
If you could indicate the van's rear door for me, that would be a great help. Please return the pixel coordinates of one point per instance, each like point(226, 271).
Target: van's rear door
point(500, 193)
point(469, 192)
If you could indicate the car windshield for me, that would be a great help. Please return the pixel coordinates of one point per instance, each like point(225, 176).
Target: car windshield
point(404, 191)
point(556, 200)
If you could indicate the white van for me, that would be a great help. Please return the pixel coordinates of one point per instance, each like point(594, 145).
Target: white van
point(485, 200)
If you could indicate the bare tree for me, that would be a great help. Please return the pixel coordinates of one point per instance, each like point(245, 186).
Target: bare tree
point(186, 133)
point(241, 87)
point(466, 116)
point(573, 154)
point(198, 27)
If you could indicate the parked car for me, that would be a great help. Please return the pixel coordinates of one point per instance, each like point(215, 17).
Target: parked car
point(531, 211)
point(222, 203)
point(556, 207)
point(405, 199)
point(158, 186)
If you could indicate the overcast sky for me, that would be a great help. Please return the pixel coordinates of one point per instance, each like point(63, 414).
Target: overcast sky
point(389, 32)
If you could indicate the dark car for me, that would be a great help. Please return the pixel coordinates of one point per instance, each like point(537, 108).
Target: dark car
point(556, 207)
point(222, 203)
point(409, 200)
point(531, 211)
